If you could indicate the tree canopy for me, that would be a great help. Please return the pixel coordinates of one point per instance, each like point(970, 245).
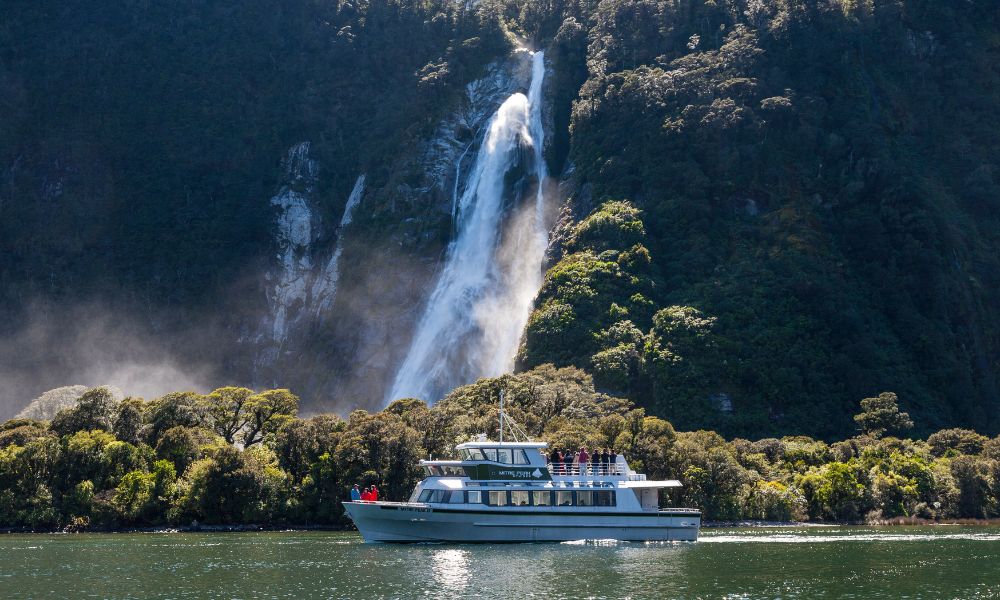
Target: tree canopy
point(301, 470)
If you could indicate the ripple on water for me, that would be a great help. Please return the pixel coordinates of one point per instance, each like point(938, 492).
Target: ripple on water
point(790, 563)
point(792, 538)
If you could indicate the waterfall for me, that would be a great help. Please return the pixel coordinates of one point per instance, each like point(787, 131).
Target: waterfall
point(325, 287)
point(474, 318)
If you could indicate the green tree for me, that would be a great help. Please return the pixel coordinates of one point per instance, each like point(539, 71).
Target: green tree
point(299, 443)
point(180, 446)
point(134, 496)
point(19, 432)
point(774, 501)
point(951, 442)
point(267, 412)
point(382, 444)
point(229, 411)
point(974, 480)
point(119, 458)
point(225, 488)
point(80, 501)
point(176, 409)
point(83, 458)
point(841, 492)
point(881, 415)
point(323, 491)
point(128, 423)
point(96, 409)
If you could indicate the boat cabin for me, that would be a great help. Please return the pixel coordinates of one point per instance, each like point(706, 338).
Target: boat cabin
point(518, 474)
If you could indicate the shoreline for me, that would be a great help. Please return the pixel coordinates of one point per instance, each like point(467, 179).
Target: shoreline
point(243, 528)
point(742, 524)
point(894, 522)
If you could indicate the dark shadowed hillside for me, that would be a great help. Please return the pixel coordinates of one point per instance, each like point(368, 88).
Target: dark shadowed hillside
point(772, 207)
point(816, 182)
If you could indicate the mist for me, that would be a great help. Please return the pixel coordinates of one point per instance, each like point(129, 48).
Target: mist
point(95, 345)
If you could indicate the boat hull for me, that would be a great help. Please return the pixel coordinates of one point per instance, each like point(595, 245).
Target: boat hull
point(399, 522)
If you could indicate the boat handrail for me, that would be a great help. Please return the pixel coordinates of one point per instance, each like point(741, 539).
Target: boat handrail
point(594, 469)
point(392, 503)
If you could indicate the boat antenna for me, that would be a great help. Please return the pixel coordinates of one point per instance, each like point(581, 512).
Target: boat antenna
point(516, 432)
point(501, 416)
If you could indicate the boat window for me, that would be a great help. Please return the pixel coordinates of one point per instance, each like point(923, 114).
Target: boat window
point(472, 454)
point(452, 471)
point(475, 497)
point(585, 498)
point(519, 498)
point(503, 455)
point(435, 496)
point(564, 498)
point(497, 498)
point(541, 498)
point(457, 497)
point(520, 458)
point(604, 498)
point(490, 453)
point(428, 472)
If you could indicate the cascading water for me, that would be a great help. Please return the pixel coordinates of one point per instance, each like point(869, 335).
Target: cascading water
point(325, 287)
point(474, 318)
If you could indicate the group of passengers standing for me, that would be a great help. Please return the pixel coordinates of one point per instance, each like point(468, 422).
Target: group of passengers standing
point(601, 462)
point(370, 494)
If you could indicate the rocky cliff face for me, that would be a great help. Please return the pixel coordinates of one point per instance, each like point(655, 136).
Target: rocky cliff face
point(343, 299)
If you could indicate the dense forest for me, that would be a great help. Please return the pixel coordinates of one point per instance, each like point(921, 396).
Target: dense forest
point(816, 212)
point(773, 208)
point(239, 457)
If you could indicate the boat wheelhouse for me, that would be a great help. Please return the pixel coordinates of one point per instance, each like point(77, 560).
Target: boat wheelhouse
point(509, 492)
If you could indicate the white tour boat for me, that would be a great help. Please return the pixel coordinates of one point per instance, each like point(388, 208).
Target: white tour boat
point(509, 492)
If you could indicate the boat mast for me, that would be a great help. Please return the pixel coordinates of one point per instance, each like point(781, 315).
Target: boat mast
point(501, 417)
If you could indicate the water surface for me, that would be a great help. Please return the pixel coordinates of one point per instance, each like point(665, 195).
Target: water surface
point(815, 562)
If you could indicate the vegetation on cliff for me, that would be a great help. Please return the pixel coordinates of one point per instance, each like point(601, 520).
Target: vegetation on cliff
point(818, 216)
point(235, 456)
point(780, 206)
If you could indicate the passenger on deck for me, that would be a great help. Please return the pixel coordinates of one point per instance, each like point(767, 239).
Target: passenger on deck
point(584, 459)
point(374, 493)
point(614, 461)
point(355, 493)
point(567, 461)
point(555, 457)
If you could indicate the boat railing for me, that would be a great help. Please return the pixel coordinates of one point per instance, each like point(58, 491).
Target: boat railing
point(592, 469)
point(392, 503)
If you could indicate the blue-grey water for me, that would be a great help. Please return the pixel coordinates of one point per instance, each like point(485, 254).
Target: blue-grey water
point(798, 562)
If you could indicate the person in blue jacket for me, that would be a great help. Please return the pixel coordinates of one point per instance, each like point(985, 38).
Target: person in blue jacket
point(355, 493)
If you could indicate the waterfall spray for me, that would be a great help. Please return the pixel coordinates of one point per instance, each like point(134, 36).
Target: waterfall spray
point(473, 321)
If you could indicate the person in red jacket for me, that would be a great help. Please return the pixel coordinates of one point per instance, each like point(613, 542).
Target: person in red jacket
point(366, 496)
point(374, 493)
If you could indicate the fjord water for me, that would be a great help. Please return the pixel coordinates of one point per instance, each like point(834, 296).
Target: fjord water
point(826, 562)
point(473, 321)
